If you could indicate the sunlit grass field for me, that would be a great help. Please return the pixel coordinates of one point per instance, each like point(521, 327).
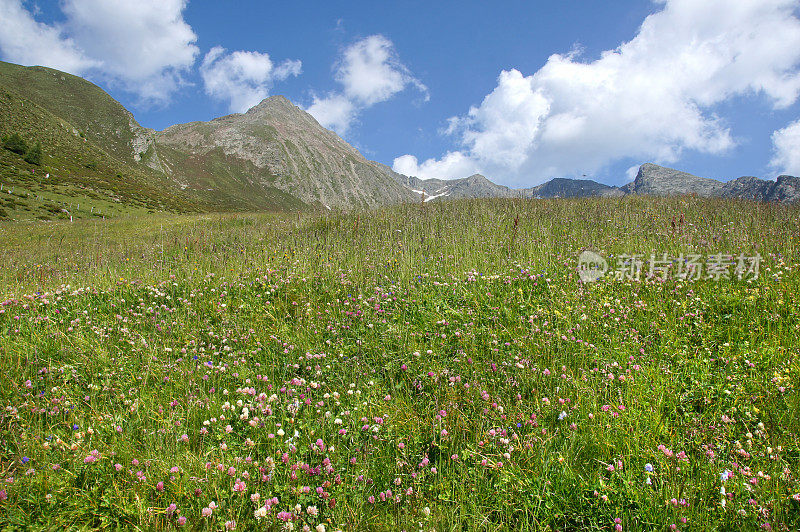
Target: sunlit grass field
point(424, 367)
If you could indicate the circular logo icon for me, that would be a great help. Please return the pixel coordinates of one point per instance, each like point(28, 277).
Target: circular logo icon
point(591, 266)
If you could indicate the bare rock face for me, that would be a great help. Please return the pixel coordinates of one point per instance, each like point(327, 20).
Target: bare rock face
point(290, 151)
point(657, 180)
point(660, 181)
point(747, 187)
point(785, 190)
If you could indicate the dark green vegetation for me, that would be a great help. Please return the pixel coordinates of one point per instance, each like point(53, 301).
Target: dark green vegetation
point(431, 367)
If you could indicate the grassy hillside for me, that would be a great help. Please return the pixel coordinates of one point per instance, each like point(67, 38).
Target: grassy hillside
point(80, 172)
point(95, 115)
point(99, 158)
point(429, 367)
point(222, 181)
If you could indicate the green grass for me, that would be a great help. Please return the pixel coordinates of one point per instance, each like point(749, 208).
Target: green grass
point(374, 332)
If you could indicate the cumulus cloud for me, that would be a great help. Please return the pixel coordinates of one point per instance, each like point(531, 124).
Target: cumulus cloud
point(23, 40)
point(145, 46)
point(334, 111)
point(786, 144)
point(452, 164)
point(243, 78)
point(369, 72)
point(651, 98)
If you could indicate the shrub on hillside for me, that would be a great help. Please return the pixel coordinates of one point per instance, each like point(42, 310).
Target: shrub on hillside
point(15, 143)
point(34, 154)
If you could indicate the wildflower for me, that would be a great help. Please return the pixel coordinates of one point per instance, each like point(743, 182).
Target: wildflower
point(230, 525)
point(181, 520)
point(562, 415)
point(648, 467)
point(160, 486)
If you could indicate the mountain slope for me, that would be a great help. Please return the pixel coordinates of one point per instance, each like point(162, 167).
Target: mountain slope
point(275, 156)
point(478, 186)
point(278, 145)
point(661, 181)
point(96, 116)
point(474, 186)
point(572, 188)
point(73, 172)
point(657, 180)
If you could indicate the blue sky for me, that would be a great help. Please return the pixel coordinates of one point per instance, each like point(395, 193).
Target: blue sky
point(518, 91)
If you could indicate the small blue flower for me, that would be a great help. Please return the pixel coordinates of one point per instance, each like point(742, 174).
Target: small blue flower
point(562, 415)
point(25, 459)
point(75, 427)
point(724, 475)
point(648, 468)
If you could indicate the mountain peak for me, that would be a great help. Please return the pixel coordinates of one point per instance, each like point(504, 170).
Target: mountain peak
point(656, 180)
point(271, 104)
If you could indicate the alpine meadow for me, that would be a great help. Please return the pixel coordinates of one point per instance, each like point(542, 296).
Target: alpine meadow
point(242, 322)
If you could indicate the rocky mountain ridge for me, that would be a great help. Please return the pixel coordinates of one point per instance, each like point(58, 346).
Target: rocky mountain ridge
point(651, 180)
point(277, 156)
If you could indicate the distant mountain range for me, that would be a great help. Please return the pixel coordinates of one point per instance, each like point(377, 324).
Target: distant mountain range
point(652, 180)
point(273, 157)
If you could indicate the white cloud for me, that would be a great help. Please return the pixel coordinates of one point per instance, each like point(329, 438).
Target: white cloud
point(145, 46)
point(370, 72)
point(786, 144)
point(650, 98)
point(334, 111)
point(453, 164)
point(23, 40)
point(242, 78)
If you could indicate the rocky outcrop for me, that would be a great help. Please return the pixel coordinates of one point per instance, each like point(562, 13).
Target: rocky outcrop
point(654, 180)
point(660, 181)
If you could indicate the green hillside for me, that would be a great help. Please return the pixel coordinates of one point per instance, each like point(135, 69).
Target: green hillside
point(75, 176)
point(98, 161)
point(97, 116)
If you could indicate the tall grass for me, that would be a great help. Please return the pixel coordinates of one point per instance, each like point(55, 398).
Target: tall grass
point(442, 365)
